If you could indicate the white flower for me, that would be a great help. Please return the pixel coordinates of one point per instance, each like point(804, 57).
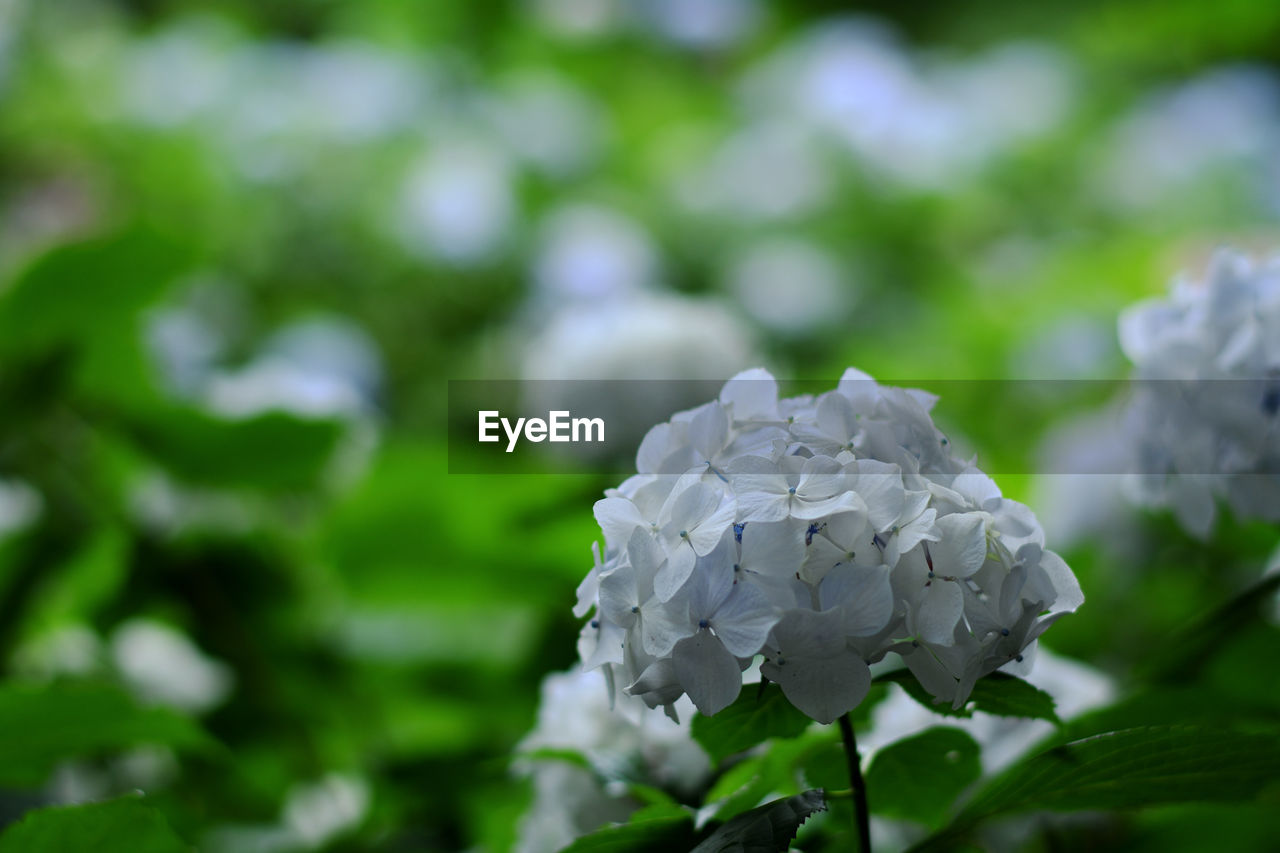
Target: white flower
point(1205, 412)
point(622, 741)
point(690, 525)
point(162, 665)
point(822, 533)
point(816, 669)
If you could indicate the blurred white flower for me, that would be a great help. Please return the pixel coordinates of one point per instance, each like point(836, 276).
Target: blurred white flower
point(789, 286)
point(1014, 91)
point(1081, 494)
point(1073, 347)
point(11, 12)
point(320, 367)
point(702, 24)
point(1224, 118)
point(764, 171)
point(588, 254)
point(627, 741)
point(457, 204)
point(161, 665)
point(349, 91)
point(547, 122)
point(20, 506)
point(314, 814)
point(1273, 568)
point(167, 507)
point(580, 19)
point(71, 649)
point(921, 124)
point(654, 336)
point(650, 336)
point(318, 812)
point(182, 73)
point(1205, 411)
point(713, 546)
point(265, 106)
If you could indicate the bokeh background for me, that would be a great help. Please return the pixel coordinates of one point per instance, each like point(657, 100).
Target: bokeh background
point(244, 245)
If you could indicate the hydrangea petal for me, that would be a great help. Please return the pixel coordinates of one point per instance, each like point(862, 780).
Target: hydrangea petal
point(707, 672)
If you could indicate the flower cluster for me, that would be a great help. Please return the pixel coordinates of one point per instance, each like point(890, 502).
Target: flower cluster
point(1205, 413)
point(622, 746)
point(822, 533)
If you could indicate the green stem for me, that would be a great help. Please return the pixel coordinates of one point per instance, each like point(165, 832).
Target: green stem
point(861, 815)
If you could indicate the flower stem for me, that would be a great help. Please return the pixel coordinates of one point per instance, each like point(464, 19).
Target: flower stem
point(861, 815)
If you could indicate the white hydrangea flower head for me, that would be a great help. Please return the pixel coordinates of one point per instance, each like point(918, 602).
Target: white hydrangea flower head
point(821, 533)
point(1206, 410)
point(620, 740)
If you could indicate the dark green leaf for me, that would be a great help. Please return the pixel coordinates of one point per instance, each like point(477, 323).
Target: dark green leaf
point(755, 716)
point(918, 778)
point(998, 693)
point(772, 771)
point(1190, 649)
point(768, 828)
point(126, 825)
point(41, 726)
point(660, 833)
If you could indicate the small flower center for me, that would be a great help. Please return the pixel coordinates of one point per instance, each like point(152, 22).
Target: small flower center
point(703, 623)
point(791, 490)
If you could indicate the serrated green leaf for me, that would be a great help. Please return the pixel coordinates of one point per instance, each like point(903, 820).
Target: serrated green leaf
point(126, 825)
point(1128, 769)
point(918, 778)
point(999, 694)
point(771, 826)
point(43, 725)
point(660, 833)
point(756, 716)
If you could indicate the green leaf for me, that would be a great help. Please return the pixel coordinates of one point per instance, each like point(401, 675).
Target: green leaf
point(771, 771)
point(998, 693)
point(756, 716)
point(272, 451)
point(41, 726)
point(566, 756)
point(1191, 649)
point(918, 778)
point(78, 292)
point(768, 827)
point(659, 833)
point(126, 825)
point(87, 300)
point(1128, 769)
